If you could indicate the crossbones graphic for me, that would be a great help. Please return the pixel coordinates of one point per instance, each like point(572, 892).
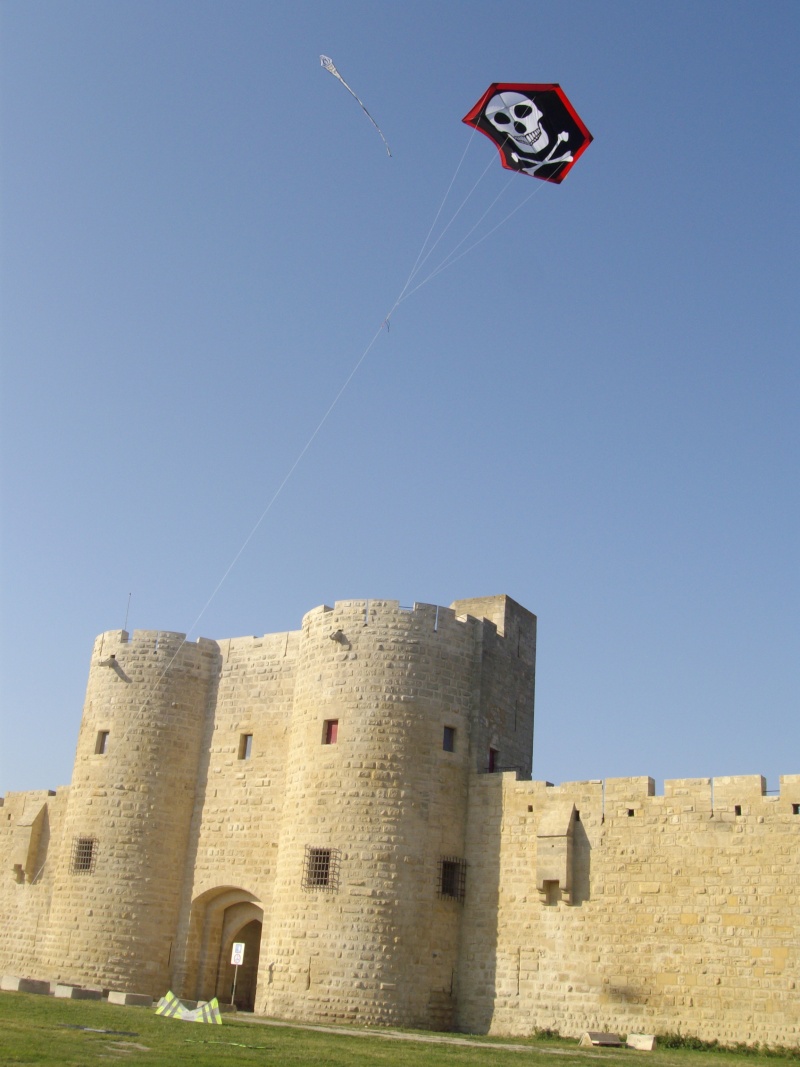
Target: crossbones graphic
point(534, 164)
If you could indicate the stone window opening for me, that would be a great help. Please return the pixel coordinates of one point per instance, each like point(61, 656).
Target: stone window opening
point(101, 744)
point(631, 812)
point(330, 732)
point(492, 762)
point(552, 893)
point(84, 855)
point(795, 809)
point(449, 739)
point(737, 809)
point(452, 878)
point(321, 868)
point(245, 746)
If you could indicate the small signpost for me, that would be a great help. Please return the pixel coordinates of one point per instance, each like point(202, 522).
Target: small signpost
point(237, 959)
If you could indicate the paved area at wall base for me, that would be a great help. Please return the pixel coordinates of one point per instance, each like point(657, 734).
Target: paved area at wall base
point(421, 1036)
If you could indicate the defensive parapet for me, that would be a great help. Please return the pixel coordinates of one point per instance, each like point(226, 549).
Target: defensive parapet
point(119, 870)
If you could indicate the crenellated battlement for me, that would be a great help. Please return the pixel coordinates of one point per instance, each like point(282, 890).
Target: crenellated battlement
point(147, 641)
point(498, 611)
point(740, 795)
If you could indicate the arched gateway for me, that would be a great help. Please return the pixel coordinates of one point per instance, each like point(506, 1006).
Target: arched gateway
point(220, 917)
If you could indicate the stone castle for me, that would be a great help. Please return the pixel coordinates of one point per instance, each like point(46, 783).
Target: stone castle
point(352, 802)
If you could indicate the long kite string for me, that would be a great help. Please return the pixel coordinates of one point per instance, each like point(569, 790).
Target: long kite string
point(403, 295)
point(419, 261)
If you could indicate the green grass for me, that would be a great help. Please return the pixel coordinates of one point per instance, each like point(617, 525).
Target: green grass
point(41, 1030)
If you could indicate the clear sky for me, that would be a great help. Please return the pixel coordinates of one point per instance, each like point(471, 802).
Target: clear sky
point(594, 410)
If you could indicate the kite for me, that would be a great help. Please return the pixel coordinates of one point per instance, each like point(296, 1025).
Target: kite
point(327, 63)
point(536, 129)
point(205, 1012)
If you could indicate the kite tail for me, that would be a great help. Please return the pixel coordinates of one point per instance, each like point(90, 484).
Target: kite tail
point(328, 64)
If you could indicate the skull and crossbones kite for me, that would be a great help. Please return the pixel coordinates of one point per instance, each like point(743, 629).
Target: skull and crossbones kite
point(535, 128)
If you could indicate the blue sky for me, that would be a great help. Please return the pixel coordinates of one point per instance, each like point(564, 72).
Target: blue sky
point(594, 410)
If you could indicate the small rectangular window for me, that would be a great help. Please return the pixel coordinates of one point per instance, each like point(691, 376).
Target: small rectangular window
point(331, 732)
point(795, 809)
point(452, 878)
point(84, 855)
point(492, 760)
point(449, 739)
point(737, 809)
point(321, 868)
point(552, 893)
point(245, 746)
point(101, 744)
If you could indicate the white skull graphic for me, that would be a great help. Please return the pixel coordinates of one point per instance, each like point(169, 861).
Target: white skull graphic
point(518, 117)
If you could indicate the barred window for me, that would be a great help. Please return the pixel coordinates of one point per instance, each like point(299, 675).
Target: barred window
point(84, 855)
point(453, 878)
point(321, 868)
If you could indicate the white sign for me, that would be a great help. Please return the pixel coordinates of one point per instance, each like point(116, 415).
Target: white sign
point(237, 955)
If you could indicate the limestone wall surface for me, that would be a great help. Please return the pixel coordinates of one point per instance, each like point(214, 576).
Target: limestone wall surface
point(236, 822)
point(30, 828)
point(678, 912)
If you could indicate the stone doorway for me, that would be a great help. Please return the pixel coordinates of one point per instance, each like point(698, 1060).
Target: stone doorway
point(246, 976)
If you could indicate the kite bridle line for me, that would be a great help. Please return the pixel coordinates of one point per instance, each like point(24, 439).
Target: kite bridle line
point(403, 295)
point(417, 265)
point(451, 256)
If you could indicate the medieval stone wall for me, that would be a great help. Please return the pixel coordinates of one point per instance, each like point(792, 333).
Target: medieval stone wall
point(351, 802)
point(236, 824)
point(31, 826)
point(600, 906)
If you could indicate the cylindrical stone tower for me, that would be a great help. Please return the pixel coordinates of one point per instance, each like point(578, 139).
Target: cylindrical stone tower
point(121, 864)
point(370, 873)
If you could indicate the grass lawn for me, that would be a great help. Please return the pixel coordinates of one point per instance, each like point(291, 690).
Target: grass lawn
point(42, 1030)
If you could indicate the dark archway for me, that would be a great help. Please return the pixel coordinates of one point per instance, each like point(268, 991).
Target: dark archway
point(244, 978)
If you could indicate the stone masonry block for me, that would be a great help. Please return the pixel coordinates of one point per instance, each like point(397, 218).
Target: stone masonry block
point(11, 983)
point(73, 992)
point(139, 1000)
